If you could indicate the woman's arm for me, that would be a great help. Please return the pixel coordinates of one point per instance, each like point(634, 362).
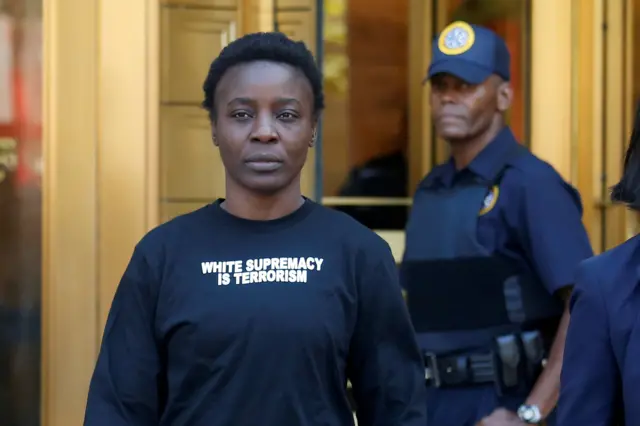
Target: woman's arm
point(385, 366)
point(590, 377)
point(124, 389)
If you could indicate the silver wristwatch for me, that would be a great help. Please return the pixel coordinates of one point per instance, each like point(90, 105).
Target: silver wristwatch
point(530, 414)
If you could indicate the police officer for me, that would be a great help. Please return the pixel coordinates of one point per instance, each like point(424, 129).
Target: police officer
point(601, 372)
point(492, 242)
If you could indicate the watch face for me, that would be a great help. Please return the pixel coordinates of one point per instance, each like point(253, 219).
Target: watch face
point(529, 414)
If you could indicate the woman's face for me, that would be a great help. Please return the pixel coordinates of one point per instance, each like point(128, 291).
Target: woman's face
point(263, 125)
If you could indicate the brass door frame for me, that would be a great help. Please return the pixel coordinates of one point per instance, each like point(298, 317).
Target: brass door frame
point(70, 241)
point(584, 135)
point(587, 123)
point(551, 39)
point(600, 106)
point(100, 179)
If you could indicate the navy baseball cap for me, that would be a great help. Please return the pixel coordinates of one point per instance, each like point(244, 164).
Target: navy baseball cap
point(470, 52)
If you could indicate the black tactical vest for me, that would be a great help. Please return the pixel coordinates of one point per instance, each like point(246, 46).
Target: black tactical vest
point(460, 296)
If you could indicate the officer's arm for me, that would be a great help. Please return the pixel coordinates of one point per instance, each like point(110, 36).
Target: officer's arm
point(124, 387)
point(556, 242)
point(589, 376)
point(384, 365)
point(545, 392)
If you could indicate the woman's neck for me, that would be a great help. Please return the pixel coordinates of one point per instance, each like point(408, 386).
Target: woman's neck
point(252, 205)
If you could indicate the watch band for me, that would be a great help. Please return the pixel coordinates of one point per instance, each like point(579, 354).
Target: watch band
point(530, 414)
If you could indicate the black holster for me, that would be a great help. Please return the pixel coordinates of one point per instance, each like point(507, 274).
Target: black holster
point(520, 360)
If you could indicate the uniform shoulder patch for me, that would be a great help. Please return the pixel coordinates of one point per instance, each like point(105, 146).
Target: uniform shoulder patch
point(456, 38)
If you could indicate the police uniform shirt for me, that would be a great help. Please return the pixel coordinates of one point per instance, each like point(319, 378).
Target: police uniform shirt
point(223, 321)
point(533, 216)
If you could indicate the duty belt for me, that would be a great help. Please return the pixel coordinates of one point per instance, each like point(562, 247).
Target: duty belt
point(460, 370)
point(513, 366)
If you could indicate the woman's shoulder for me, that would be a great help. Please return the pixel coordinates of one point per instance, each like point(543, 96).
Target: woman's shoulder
point(174, 232)
point(346, 226)
point(613, 268)
point(352, 236)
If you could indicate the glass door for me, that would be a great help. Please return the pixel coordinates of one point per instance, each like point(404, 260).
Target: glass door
point(361, 161)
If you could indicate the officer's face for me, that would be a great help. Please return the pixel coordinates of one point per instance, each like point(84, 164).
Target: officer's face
point(462, 111)
point(263, 125)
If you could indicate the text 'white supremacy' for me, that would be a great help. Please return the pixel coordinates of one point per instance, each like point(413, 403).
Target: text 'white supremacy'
point(267, 270)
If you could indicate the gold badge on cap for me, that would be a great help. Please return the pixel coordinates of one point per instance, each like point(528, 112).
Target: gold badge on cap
point(456, 38)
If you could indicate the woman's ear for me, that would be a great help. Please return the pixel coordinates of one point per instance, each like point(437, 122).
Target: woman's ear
point(212, 121)
point(314, 137)
point(214, 135)
point(314, 132)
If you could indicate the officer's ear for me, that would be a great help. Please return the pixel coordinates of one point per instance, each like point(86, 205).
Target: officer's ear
point(505, 96)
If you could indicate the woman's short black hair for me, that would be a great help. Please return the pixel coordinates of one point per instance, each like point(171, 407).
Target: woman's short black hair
point(270, 46)
point(627, 191)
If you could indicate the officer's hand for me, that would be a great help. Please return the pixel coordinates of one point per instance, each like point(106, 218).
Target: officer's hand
point(501, 417)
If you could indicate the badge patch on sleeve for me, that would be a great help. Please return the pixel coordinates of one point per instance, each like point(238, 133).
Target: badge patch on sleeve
point(456, 38)
point(490, 200)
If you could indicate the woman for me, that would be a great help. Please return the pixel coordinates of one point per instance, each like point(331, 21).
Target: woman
point(257, 309)
point(600, 383)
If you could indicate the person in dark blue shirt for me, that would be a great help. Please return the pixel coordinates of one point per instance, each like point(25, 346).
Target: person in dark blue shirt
point(600, 384)
point(258, 308)
point(492, 243)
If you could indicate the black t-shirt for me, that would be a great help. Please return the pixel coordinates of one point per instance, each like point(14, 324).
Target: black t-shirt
point(222, 321)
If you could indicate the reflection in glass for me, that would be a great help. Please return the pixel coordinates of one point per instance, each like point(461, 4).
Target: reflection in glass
point(365, 122)
point(510, 19)
point(20, 211)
